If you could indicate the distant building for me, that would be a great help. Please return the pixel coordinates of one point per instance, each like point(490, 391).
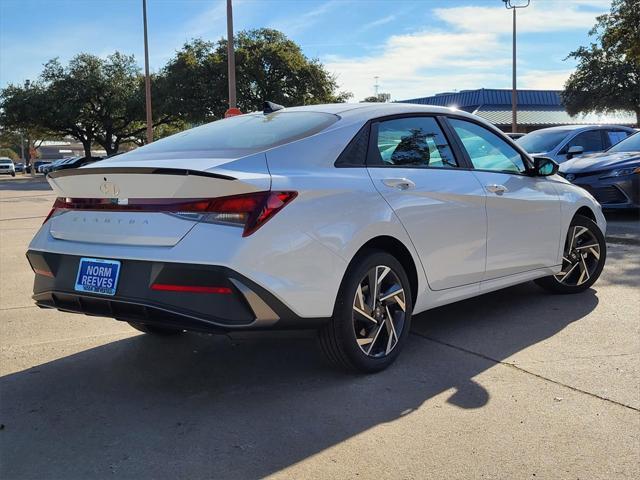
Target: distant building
point(536, 108)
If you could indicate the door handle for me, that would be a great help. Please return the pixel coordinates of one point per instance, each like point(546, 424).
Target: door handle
point(497, 189)
point(399, 183)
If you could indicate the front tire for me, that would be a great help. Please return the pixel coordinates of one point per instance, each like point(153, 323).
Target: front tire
point(583, 258)
point(155, 330)
point(372, 315)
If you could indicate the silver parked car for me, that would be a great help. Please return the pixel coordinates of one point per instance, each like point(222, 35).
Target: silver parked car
point(566, 142)
point(347, 218)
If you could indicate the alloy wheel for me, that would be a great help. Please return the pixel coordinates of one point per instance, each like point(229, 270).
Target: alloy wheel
point(581, 257)
point(379, 310)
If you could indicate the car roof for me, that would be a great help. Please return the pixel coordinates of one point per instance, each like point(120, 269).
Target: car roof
point(366, 111)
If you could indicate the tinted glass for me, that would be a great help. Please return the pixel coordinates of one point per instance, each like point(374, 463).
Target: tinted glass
point(487, 150)
point(631, 144)
point(355, 154)
point(616, 136)
point(251, 132)
point(590, 141)
point(542, 141)
point(413, 142)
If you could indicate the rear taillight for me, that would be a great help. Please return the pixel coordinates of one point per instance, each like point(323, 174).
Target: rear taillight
point(250, 210)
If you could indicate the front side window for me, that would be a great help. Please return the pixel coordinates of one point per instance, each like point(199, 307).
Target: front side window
point(590, 141)
point(413, 142)
point(487, 150)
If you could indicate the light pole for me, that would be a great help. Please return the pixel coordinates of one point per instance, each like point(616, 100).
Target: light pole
point(231, 59)
point(147, 79)
point(513, 5)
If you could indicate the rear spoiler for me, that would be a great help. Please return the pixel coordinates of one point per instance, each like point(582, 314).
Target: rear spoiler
point(136, 170)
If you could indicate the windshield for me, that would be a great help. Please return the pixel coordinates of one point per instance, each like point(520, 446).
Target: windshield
point(243, 134)
point(629, 144)
point(542, 140)
point(5, 161)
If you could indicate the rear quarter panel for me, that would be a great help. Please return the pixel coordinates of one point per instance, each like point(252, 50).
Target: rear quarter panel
point(337, 207)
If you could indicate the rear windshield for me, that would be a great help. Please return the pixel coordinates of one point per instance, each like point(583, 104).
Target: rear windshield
point(244, 133)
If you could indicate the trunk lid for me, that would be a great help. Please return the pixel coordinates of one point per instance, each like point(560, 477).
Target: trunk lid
point(122, 183)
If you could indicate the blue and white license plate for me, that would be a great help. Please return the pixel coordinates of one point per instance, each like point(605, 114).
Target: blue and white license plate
point(96, 275)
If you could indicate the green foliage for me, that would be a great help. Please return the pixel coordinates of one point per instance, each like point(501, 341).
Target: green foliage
point(7, 152)
point(607, 77)
point(102, 100)
point(269, 66)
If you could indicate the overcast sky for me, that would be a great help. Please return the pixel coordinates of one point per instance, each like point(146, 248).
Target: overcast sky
point(416, 47)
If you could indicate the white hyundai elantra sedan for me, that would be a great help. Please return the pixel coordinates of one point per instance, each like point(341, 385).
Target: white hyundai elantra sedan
point(343, 218)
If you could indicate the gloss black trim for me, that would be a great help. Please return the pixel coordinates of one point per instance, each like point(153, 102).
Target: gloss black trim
point(137, 170)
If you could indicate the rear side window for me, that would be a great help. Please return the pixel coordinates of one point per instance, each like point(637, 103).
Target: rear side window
point(355, 155)
point(412, 142)
point(244, 133)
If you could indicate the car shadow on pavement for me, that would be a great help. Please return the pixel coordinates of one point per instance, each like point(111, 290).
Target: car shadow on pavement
point(246, 407)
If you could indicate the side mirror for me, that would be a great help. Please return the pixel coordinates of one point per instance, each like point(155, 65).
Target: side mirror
point(543, 166)
point(575, 150)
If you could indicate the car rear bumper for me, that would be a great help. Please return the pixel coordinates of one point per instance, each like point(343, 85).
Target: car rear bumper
point(246, 306)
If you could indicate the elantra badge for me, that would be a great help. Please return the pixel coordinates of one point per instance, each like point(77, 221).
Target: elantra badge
point(110, 189)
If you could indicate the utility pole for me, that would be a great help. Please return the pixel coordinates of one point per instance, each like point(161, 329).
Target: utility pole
point(376, 87)
point(231, 59)
point(513, 5)
point(147, 79)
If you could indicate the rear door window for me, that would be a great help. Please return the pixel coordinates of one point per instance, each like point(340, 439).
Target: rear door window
point(412, 142)
point(615, 136)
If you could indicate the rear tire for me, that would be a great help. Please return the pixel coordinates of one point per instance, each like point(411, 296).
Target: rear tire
point(369, 326)
point(155, 330)
point(584, 256)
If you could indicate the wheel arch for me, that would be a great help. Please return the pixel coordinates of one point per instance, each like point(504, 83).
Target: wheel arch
point(586, 212)
point(397, 249)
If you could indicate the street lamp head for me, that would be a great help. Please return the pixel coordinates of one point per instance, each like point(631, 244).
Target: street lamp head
point(516, 3)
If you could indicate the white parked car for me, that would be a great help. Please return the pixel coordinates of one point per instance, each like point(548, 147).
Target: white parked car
point(7, 167)
point(344, 218)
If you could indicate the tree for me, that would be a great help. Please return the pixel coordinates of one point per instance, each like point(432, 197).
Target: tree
point(607, 77)
point(8, 152)
point(91, 99)
point(379, 98)
point(269, 66)
point(20, 117)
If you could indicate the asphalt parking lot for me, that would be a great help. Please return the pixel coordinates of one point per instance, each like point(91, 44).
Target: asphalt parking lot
point(513, 384)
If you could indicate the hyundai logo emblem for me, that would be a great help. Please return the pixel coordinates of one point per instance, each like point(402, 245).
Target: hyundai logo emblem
point(110, 189)
point(570, 177)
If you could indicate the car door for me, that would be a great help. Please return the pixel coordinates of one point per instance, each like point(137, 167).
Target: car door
point(440, 204)
point(523, 211)
point(590, 140)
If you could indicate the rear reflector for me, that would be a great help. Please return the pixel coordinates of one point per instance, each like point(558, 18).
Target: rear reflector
point(166, 287)
point(250, 211)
